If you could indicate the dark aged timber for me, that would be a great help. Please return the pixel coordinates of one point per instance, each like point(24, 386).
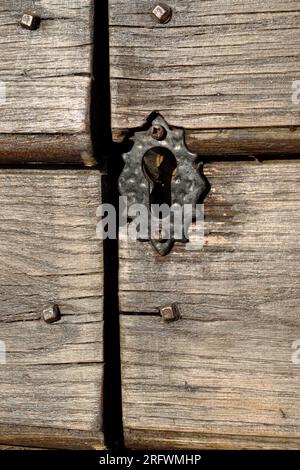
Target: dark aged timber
point(108, 344)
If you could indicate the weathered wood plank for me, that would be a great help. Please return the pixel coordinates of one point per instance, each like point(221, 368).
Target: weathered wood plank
point(43, 148)
point(224, 373)
point(47, 76)
point(252, 230)
point(145, 439)
point(53, 375)
point(248, 142)
point(11, 448)
point(226, 65)
point(46, 438)
point(17, 448)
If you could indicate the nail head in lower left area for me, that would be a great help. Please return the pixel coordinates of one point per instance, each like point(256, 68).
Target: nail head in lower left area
point(30, 21)
point(51, 313)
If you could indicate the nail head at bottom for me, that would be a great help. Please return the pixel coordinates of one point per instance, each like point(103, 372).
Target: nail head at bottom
point(170, 313)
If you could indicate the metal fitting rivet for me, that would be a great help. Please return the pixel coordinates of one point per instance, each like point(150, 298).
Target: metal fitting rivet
point(51, 313)
point(170, 313)
point(158, 132)
point(30, 21)
point(162, 13)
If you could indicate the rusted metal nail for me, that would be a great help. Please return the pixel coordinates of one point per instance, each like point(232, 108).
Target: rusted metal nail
point(170, 312)
point(51, 313)
point(30, 20)
point(162, 13)
point(158, 132)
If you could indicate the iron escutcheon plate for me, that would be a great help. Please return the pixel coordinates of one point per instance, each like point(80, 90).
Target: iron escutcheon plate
point(188, 185)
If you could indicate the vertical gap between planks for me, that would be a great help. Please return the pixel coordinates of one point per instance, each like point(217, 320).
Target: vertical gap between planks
point(105, 151)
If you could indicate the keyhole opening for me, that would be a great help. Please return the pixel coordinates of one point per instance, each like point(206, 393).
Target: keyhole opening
point(159, 167)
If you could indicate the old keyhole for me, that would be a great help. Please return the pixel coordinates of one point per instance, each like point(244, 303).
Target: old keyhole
point(166, 177)
point(159, 167)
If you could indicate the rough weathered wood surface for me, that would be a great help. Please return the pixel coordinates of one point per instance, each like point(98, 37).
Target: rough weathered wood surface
point(49, 252)
point(51, 438)
point(223, 376)
point(47, 77)
point(226, 65)
point(16, 448)
point(248, 142)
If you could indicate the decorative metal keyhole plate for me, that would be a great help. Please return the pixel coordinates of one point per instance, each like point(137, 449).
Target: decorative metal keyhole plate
point(187, 186)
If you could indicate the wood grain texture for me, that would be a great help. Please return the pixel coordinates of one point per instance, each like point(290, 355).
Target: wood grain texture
point(16, 448)
point(51, 438)
point(53, 376)
point(47, 75)
point(225, 65)
point(46, 148)
point(252, 143)
point(222, 376)
point(11, 448)
point(145, 439)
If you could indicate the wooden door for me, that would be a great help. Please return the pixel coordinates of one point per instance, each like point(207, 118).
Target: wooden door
point(47, 78)
point(226, 374)
point(224, 70)
point(51, 373)
point(51, 381)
